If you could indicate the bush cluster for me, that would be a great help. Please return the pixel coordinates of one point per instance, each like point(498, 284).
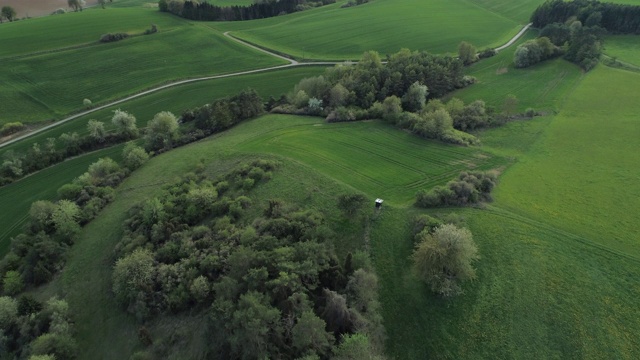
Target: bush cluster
point(534, 51)
point(351, 3)
point(106, 38)
point(39, 253)
point(470, 188)
point(271, 283)
point(11, 128)
point(29, 328)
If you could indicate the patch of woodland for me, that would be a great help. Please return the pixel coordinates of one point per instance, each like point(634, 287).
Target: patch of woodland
point(204, 11)
point(267, 278)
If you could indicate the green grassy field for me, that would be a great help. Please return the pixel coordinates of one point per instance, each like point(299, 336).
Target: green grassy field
point(583, 174)
point(330, 32)
point(543, 86)
point(180, 98)
point(48, 86)
point(40, 186)
point(625, 48)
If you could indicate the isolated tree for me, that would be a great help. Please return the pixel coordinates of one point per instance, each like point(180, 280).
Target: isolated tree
point(467, 53)
point(65, 219)
point(74, 4)
point(102, 3)
point(391, 109)
point(134, 156)
point(125, 124)
point(162, 130)
point(133, 274)
point(8, 13)
point(444, 259)
point(338, 96)
point(96, 130)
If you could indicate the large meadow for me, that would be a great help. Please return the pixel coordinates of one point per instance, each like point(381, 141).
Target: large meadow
point(559, 247)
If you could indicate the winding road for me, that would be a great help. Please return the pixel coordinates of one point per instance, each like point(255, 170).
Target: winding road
point(291, 63)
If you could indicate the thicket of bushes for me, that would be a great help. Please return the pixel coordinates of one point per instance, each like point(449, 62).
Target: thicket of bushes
point(11, 128)
point(105, 38)
point(29, 328)
point(470, 188)
point(195, 10)
point(271, 283)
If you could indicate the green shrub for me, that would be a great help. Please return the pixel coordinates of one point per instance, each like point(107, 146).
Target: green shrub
point(11, 128)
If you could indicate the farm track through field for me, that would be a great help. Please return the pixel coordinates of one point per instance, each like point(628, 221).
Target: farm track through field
point(291, 63)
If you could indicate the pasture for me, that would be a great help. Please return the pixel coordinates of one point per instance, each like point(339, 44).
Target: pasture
point(331, 32)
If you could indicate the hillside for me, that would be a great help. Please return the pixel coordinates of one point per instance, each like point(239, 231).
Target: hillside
point(242, 221)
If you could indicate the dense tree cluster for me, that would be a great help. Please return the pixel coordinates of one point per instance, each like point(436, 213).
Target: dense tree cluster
point(533, 51)
point(443, 257)
point(615, 18)
point(271, 283)
point(470, 188)
point(195, 10)
point(396, 91)
point(39, 253)
point(32, 330)
point(579, 44)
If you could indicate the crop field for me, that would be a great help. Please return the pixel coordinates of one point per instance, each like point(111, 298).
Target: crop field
point(57, 83)
point(180, 98)
point(331, 32)
point(40, 186)
point(543, 86)
point(625, 48)
point(586, 165)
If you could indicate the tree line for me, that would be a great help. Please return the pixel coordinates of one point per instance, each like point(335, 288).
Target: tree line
point(205, 11)
point(615, 18)
point(267, 277)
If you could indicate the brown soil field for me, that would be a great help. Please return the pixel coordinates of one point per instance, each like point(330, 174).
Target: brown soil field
point(33, 8)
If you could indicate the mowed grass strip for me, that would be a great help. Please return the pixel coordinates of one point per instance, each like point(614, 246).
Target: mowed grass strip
point(76, 28)
point(180, 98)
point(582, 176)
point(60, 81)
point(386, 26)
point(16, 198)
point(538, 294)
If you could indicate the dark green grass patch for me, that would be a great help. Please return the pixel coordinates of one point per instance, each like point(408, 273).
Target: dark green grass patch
point(331, 32)
point(60, 81)
point(625, 48)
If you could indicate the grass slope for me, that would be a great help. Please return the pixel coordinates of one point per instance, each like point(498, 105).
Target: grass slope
point(386, 26)
point(40, 186)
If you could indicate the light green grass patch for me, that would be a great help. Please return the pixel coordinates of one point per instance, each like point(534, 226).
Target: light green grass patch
point(583, 175)
point(386, 26)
